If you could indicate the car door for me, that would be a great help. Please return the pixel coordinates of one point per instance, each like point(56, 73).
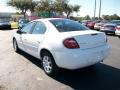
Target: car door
point(35, 38)
point(26, 33)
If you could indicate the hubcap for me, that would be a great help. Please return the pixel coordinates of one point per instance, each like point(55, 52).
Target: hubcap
point(47, 65)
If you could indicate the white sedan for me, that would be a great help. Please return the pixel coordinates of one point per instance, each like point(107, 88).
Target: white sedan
point(61, 43)
point(117, 32)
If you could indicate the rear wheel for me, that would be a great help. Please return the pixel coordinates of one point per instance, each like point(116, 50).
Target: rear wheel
point(15, 45)
point(48, 64)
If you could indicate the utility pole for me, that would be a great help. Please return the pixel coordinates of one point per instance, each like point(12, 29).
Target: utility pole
point(95, 10)
point(100, 10)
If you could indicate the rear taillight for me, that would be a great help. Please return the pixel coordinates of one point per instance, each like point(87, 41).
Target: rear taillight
point(71, 43)
point(117, 28)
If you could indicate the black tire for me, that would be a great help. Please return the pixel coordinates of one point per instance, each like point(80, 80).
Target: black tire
point(49, 63)
point(114, 33)
point(15, 46)
point(119, 37)
point(106, 33)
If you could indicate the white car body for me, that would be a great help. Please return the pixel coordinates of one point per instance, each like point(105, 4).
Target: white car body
point(117, 32)
point(98, 26)
point(93, 46)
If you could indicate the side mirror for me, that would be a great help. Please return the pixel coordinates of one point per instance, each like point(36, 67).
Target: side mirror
point(19, 31)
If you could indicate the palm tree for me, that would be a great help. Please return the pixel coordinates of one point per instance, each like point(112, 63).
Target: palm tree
point(63, 6)
point(68, 9)
point(60, 5)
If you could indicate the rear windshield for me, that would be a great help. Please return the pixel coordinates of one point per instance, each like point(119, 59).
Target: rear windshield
point(66, 25)
point(116, 22)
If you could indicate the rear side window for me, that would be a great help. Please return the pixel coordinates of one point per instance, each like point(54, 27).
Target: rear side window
point(39, 28)
point(66, 25)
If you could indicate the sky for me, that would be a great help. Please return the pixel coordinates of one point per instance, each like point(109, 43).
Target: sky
point(109, 7)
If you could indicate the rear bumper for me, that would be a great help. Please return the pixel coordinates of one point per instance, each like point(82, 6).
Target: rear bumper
point(97, 27)
point(5, 26)
point(75, 59)
point(108, 31)
point(117, 33)
point(91, 27)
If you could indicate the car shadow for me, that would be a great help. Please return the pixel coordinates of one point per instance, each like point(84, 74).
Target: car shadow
point(111, 35)
point(31, 58)
point(97, 77)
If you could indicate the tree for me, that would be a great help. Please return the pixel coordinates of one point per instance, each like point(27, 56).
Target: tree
point(32, 6)
point(68, 9)
point(22, 5)
point(45, 6)
point(64, 6)
point(115, 17)
point(106, 17)
point(95, 18)
point(87, 17)
point(111, 17)
point(58, 6)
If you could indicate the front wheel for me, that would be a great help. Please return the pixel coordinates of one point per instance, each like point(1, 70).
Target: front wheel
point(48, 64)
point(15, 45)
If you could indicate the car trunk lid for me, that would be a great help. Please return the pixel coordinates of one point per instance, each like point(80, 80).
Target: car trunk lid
point(88, 38)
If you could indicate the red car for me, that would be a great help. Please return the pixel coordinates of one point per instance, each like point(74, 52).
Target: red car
point(90, 24)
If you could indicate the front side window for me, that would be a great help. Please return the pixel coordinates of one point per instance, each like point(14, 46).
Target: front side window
point(39, 28)
point(65, 25)
point(28, 27)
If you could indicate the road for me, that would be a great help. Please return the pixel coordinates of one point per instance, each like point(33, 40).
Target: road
point(20, 71)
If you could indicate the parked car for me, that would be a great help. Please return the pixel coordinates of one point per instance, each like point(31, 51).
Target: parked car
point(4, 24)
point(108, 28)
point(14, 25)
point(98, 25)
point(117, 32)
point(61, 43)
point(85, 22)
point(91, 24)
point(22, 23)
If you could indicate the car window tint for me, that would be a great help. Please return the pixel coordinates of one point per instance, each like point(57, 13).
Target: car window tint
point(28, 27)
point(65, 25)
point(39, 28)
point(116, 22)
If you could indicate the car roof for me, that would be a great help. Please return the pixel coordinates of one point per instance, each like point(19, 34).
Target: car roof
point(115, 20)
point(109, 24)
point(47, 19)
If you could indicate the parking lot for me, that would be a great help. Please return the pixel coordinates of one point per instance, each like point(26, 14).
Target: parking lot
point(20, 71)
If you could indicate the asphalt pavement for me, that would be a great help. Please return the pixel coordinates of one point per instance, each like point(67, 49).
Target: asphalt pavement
point(20, 71)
